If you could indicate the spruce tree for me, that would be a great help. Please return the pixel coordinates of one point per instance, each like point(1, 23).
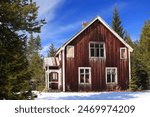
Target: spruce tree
point(139, 74)
point(145, 50)
point(17, 17)
point(51, 51)
point(116, 23)
point(135, 66)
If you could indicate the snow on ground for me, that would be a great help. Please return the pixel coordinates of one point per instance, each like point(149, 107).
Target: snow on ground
point(94, 96)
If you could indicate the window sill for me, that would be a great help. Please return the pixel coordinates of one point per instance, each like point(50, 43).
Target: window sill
point(123, 58)
point(111, 83)
point(85, 84)
point(97, 57)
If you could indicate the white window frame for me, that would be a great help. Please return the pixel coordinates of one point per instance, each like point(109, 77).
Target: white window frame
point(89, 68)
point(95, 42)
point(123, 48)
point(116, 76)
point(67, 51)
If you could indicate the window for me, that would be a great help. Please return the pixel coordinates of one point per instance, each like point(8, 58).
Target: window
point(123, 53)
point(54, 76)
point(111, 75)
point(96, 49)
point(70, 51)
point(84, 75)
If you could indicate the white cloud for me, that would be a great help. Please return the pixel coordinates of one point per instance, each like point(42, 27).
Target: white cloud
point(55, 30)
point(45, 50)
point(47, 8)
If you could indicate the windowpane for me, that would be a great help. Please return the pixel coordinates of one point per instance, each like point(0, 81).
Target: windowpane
point(97, 52)
point(92, 53)
point(108, 71)
point(81, 78)
point(123, 53)
point(87, 78)
point(113, 71)
point(87, 71)
point(70, 51)
point(92, 45)
point(102, 53)
point(113, 78)
point(101, 46)
point(108, 78)
point(81, 71)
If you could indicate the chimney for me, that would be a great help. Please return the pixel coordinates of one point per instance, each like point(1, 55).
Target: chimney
point(84, 24)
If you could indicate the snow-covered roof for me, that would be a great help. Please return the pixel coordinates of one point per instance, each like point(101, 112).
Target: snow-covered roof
point(89, 24)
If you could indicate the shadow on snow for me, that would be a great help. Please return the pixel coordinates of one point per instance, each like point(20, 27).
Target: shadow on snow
point(99, 96)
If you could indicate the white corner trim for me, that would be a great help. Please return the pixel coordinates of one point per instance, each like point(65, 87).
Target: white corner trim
point(129, 66)
point(105, 24)
point(59, 80)
point(63, 60)
point(48, 80)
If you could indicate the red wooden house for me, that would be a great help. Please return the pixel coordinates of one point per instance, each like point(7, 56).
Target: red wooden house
point(95, 59)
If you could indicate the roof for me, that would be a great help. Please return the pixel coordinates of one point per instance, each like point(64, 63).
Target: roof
point(89, 24)
point(51, 61)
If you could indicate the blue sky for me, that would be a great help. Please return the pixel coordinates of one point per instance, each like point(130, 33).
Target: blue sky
point(64, 17)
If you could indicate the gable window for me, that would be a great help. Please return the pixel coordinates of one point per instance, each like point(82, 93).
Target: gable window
point(123, 53)
point(111, 75)
point(96, 49)
point(84, 75)
point(70, 51)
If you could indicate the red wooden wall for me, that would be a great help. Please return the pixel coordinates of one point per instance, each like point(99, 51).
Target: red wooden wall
point(96, 32)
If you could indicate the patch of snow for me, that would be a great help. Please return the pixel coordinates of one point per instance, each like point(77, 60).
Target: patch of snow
point(144, 95)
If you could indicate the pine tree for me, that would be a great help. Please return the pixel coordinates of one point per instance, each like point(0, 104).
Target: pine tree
point(51, 51)
point(35, 62)
point(16, 16)
point(116, 23)
point(145, 50)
